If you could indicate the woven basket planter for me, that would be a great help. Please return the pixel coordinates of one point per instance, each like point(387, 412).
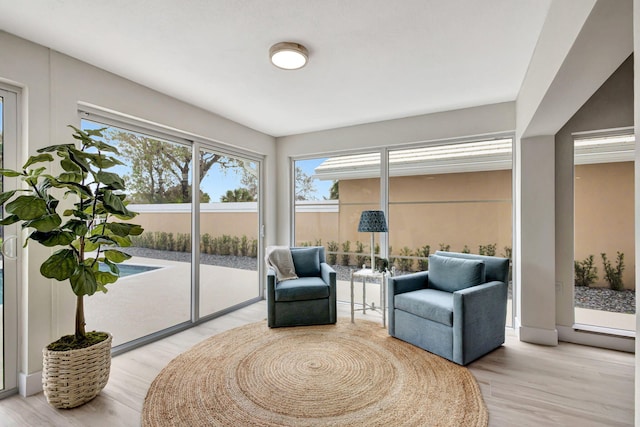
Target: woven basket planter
point(74, 377)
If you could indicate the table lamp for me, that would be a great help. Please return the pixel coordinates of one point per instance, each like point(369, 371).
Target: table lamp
point(373, 222)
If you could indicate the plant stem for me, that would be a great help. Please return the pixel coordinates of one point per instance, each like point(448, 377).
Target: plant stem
point(80, 332)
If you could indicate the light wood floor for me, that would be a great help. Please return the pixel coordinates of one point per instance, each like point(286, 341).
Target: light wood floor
point(522, 384)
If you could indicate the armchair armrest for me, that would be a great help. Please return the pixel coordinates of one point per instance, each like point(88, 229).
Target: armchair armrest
point(408, 282)
point(328, 274)
point(479, 314)
point(399, 285)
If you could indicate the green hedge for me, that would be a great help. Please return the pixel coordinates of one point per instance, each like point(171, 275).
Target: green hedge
point(181, 242)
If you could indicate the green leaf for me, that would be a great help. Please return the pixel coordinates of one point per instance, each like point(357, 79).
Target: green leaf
point(123, 242)
point(11, 219)
point(113, 267)
point(83, 281)
point(44, 223)
point(9, 173)
point(38, 159)
point(111, 180)
point(77, 226)
point(116, 256)
point(69, 166)
point(104, 278)
point(101, 239)
point(56, 148)
point(89, 246)
point(53, 238)
point(77, 157)
point(60, 265)
point(124, 229)
point(6, 196)
point(114, 205)
point(27, 207)
point(70, 177)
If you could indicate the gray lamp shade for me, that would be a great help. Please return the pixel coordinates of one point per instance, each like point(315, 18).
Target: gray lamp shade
point(372, 221)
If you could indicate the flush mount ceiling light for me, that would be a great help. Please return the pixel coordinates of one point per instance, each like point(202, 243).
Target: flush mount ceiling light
point(288, 56)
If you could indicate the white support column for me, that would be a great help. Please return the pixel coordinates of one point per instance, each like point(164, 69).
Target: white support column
point(636, 89)
point(535, 240)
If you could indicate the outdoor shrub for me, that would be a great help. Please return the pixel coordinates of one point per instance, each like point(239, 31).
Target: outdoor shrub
point(392, 259)
point(466, 250)
point(244, 246)
point(224, 245)
point(205, 243)
point(345, 258)
point(171, 242)
point(360, 259)
point(162, 241)
point(489, 250)
point(507, 252)
point(183, 242)
point(444, 247)
point(254, 248)
point(235, 245)
point(586, 273)
point(613, 275)
point(332, 248)
point(405, 263)
point(423, 254)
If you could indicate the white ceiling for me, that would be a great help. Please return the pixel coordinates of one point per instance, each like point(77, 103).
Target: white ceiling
point(370, 60)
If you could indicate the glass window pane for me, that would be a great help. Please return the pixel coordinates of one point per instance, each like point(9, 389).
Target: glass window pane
point(229, 225)
point(154, 291)
point(330, 195)
point(452, 197)
point(604, 247)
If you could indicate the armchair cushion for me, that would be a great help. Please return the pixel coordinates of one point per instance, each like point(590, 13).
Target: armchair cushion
point(453, 274)
point(302, 289)
point(306, 261)
point(429, 304)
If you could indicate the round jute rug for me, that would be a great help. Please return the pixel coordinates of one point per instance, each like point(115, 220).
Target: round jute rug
point(347, 374)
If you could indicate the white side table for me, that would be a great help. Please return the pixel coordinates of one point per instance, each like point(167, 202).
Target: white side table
point(381, 277)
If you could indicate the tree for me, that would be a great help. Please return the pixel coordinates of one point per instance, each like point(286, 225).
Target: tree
point(334, 191)
point(237, 195)
point(249, 178)
point(160, 170)
point(305, 187)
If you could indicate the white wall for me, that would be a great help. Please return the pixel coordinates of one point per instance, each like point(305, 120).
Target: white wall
point(53, 84)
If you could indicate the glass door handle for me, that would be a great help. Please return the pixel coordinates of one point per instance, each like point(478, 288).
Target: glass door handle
point(9, 247)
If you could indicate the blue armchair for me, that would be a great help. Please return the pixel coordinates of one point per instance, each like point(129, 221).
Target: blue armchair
point(308, 300)
point(456, 310)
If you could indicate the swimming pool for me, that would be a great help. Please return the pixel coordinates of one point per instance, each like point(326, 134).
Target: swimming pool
point(125, 270)
point(130, 269)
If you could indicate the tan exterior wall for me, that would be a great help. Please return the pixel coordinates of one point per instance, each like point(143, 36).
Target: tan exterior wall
point(604, 216)
point(215, 223)
point(458, 209)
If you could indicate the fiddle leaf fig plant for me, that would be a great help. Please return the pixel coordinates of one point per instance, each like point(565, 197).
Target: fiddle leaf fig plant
point(91, 230)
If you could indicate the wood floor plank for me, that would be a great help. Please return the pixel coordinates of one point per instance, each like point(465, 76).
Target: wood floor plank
point(522, 384)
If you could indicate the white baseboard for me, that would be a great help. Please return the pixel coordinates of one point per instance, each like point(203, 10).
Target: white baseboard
point(538, 335)
point(29, 384)
point(597, 339)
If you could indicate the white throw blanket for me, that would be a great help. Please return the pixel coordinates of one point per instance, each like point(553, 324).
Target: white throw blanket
point(279, 257)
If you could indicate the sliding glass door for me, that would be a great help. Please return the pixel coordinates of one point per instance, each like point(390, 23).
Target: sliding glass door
point(154, 291)
point(9, 254)
point(192, 261)
point(604, 244)
point(330, 195)
point(229, 231)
